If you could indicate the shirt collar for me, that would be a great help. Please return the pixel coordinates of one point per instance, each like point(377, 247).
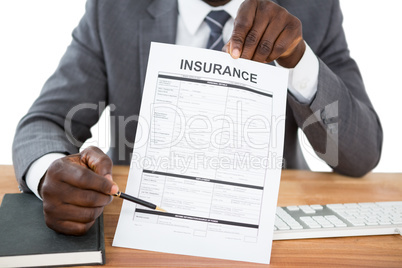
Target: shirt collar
point(193, 12)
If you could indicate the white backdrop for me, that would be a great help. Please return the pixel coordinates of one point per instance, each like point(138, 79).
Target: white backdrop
point(35, 34)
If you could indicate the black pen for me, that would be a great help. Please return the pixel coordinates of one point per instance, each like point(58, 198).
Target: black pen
point(138, 201)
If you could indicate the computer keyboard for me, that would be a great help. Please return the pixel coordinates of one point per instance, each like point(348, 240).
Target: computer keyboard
point(338, 220)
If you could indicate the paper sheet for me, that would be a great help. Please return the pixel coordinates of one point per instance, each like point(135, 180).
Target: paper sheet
point(208, 149)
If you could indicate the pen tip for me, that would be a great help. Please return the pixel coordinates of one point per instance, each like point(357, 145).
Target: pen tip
point(160, 209)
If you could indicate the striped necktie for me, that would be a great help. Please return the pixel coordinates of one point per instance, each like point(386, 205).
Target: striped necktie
point(216, 20)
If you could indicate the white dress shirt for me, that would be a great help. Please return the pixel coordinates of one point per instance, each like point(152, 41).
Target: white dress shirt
point(193, 31)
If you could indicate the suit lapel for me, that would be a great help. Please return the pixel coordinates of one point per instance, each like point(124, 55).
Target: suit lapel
point(159, 25)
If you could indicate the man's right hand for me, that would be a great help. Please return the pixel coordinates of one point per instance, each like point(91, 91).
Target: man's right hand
point(75, 189)
point(264, 31)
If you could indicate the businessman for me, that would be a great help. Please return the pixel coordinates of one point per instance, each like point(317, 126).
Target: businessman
point(106, 63)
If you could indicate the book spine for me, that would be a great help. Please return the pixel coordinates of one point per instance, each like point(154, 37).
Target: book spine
point(102, 239)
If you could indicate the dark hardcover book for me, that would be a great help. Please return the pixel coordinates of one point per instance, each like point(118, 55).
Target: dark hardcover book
point(26, 241)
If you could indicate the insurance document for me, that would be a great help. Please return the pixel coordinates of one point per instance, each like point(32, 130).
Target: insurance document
point(208, 150)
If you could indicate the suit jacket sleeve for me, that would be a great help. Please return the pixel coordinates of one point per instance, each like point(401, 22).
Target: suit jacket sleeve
point(61, 118)
point(340, 123)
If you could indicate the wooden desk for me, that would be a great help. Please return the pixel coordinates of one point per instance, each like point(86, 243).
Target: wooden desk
point(297, 187)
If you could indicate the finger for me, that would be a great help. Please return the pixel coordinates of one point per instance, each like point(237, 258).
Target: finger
point(293, 55)
point(242, 25)
point(271, 34)
point(67, 212)
point(63, 192)
point(282, 44)
point(267, 42)
point(286, 41)
point(97, 160)
point(70, 227)
point(255, 34)
point(84, 178)
point(84, 198)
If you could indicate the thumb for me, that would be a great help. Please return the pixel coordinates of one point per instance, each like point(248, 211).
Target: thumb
point(99, 163)
point(114, 188)
point(234, 49)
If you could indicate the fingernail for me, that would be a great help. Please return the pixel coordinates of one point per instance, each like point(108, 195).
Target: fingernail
point(109, 177)
point(235, 53)
point(114, 189)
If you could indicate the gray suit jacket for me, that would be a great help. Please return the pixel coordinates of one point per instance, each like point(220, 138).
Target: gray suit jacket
point(106, 64)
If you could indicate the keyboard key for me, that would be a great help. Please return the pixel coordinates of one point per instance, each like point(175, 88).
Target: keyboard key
point(317, 207)
point(293, 208)
point(327, 225)
point(340, 224)
point(296, 227)
point(335, 206)
point(360, 224)
point(310, 222)
point(351, 205)
point(307, 209)
point(384, 222)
